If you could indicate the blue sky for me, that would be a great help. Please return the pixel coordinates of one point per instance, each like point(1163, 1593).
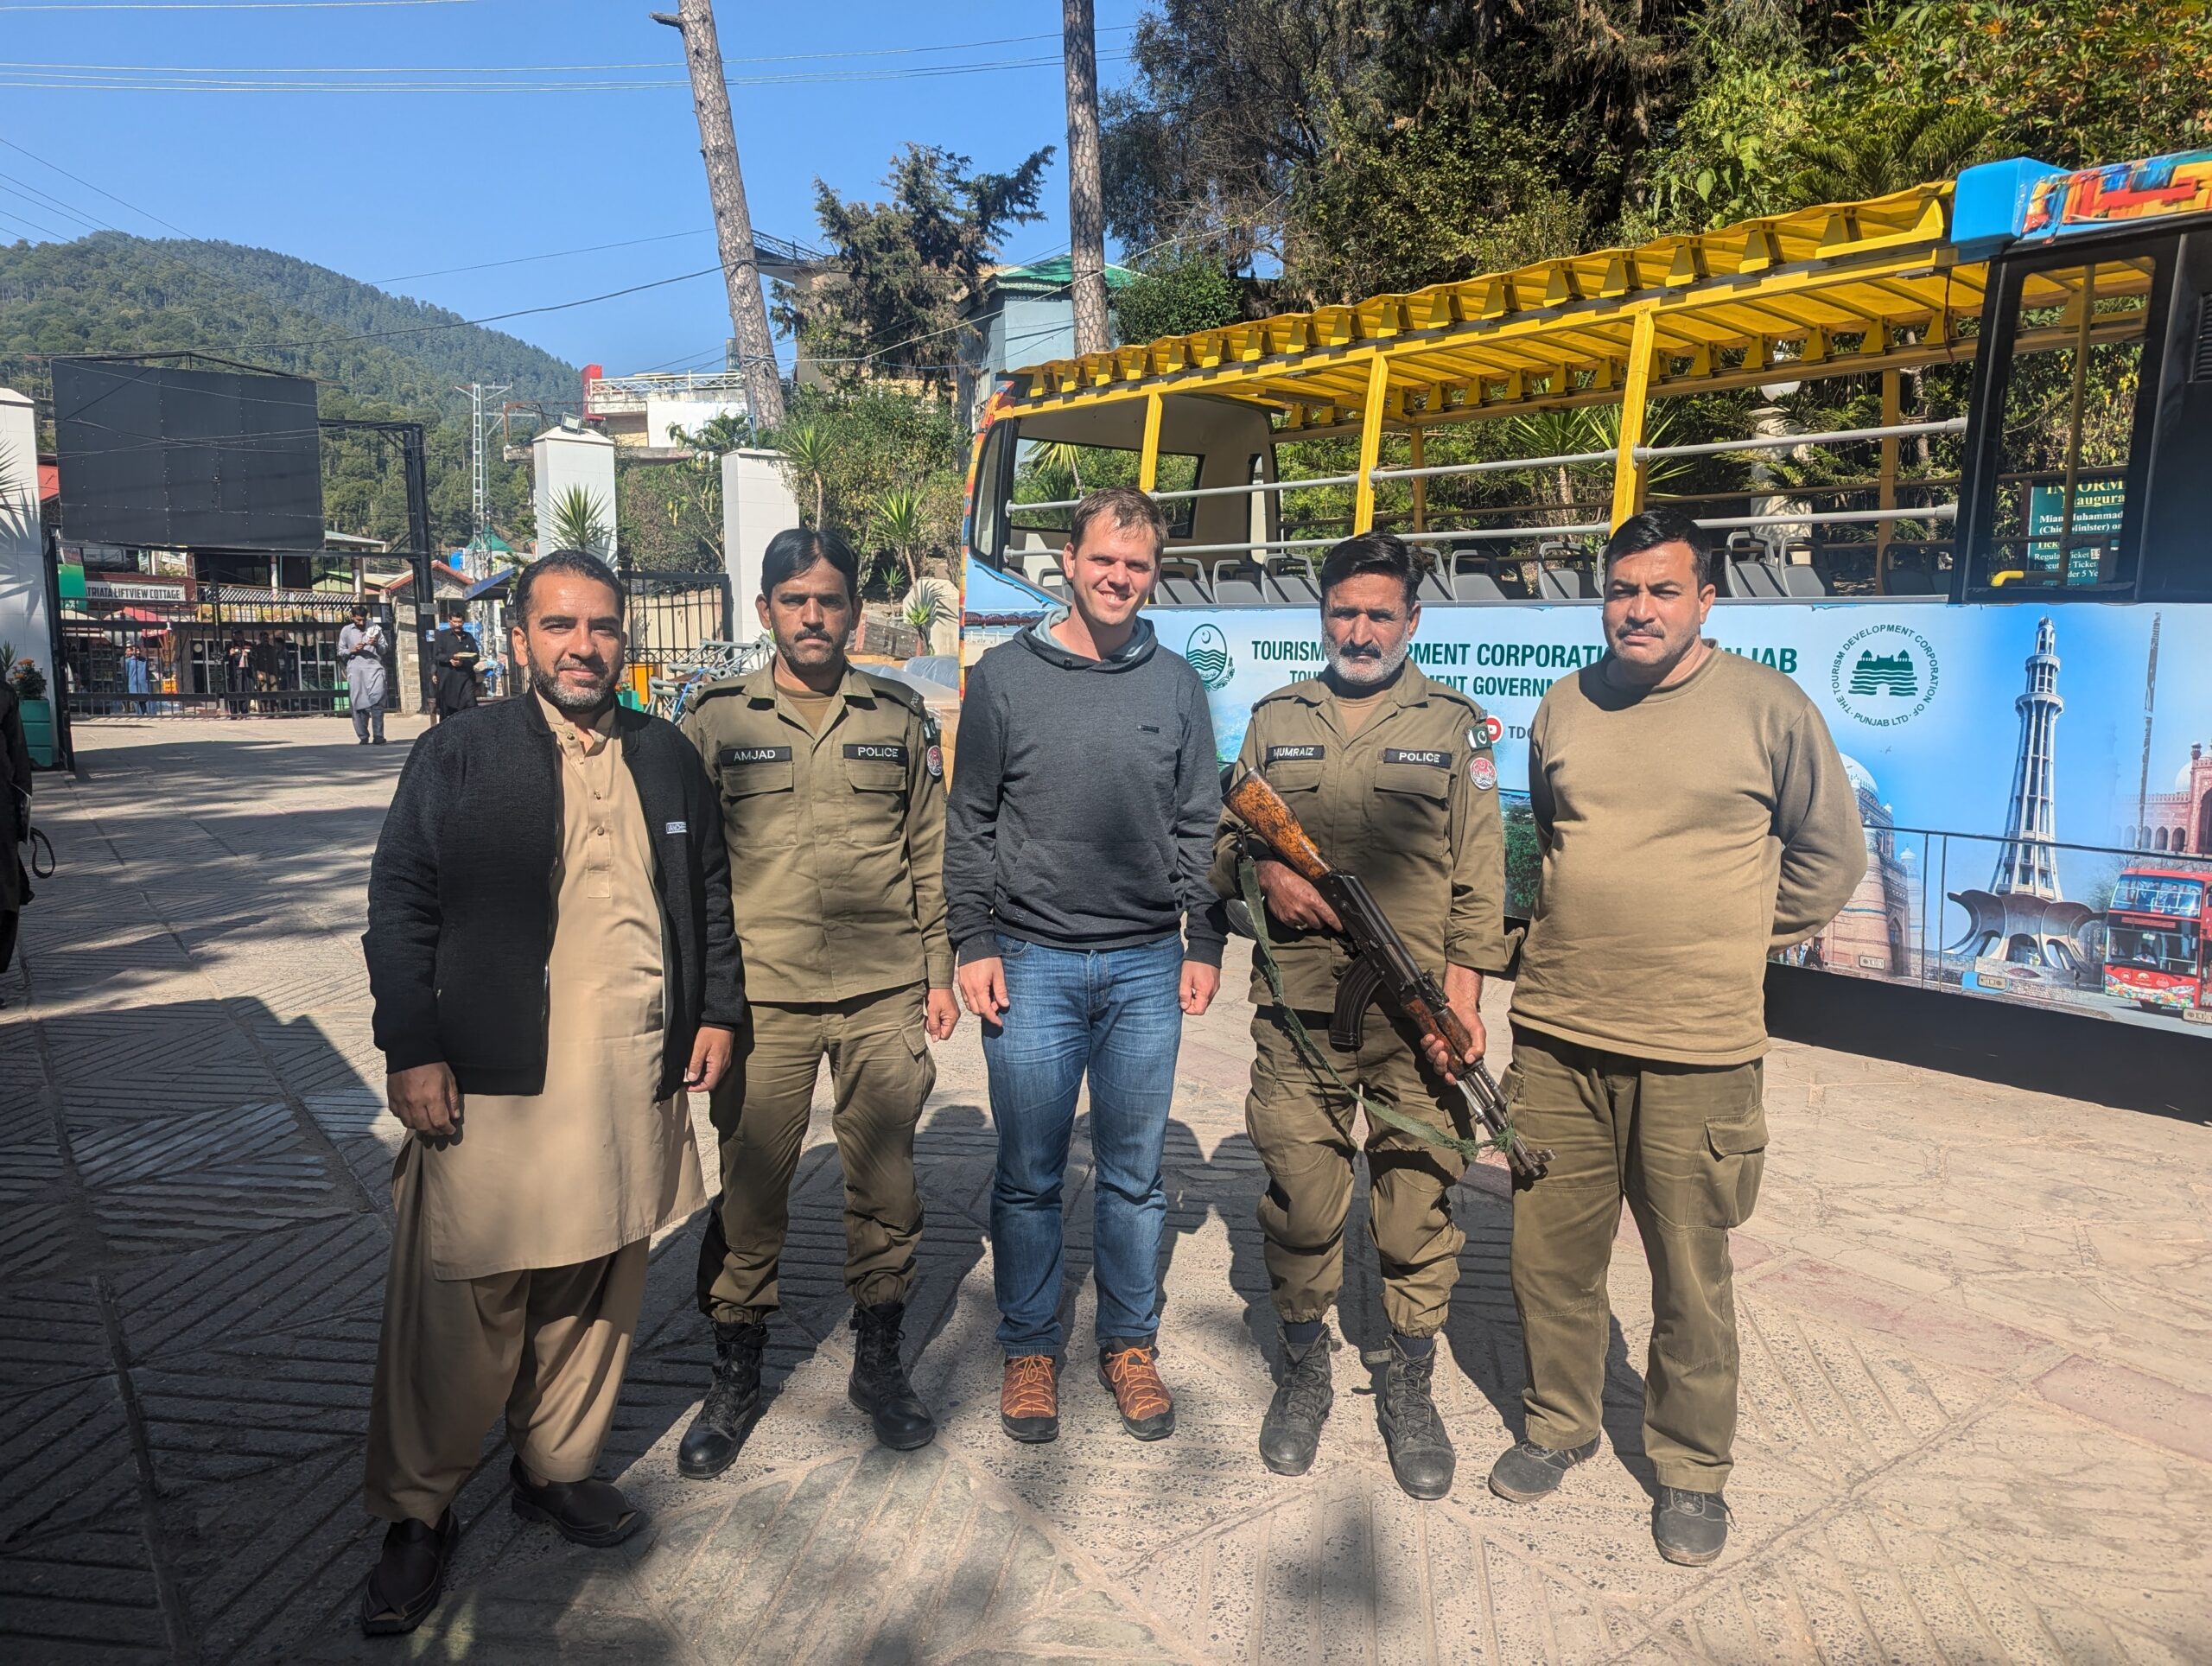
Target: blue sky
point(387, 184)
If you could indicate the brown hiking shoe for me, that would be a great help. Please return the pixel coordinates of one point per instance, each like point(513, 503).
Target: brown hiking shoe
point(1029, 1399)
point(1131, 1370)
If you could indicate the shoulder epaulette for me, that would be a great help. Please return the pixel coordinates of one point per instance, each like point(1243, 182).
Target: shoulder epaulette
point(905, 693)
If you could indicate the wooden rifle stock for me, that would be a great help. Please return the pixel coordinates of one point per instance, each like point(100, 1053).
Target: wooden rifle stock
point(1260, 808)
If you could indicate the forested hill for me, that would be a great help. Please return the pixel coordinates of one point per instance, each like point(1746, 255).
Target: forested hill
point(110, 293)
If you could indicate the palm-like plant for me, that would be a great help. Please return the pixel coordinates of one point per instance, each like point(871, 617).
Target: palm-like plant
point(900, 522)
point(1882, 151)
point(808, 451)
point(579, 521)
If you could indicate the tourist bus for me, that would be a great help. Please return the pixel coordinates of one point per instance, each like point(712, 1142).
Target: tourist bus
point(2157, 937)
point(1955, 444)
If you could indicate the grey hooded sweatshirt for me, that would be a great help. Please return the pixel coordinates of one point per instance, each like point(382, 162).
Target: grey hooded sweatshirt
point(1084, 797)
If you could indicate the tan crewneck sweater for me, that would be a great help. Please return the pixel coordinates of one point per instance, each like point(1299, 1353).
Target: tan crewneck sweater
point(1687, 832)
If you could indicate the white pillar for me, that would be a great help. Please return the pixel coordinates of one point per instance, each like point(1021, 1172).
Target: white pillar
point(25, 621)
point(756, 504)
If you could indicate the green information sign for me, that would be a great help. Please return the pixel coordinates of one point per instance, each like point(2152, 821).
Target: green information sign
point(2098, 508)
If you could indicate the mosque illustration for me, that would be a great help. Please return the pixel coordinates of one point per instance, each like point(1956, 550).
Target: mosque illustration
point(1872, 935)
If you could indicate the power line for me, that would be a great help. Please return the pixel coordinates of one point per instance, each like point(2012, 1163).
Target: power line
point(518, 260)
point(231, 5)
point(89, 186)
point(535, 69)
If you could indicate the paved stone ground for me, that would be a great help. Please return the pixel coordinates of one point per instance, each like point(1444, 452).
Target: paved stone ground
point(1973, 1321)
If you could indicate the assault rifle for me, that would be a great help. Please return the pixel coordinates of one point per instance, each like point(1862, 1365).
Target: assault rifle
point(1381, 963)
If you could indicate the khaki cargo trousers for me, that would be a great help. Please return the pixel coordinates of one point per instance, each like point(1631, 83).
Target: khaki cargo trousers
point(1302, 1125)
point(880, 1072)
point(1684, 1146)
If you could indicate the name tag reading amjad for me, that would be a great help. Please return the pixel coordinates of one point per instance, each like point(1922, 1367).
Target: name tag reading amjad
point(879, 752)
point(1403, 755)
point(753, 756)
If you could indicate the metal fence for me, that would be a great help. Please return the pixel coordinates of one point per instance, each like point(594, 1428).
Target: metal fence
point(212, 649)
point(673, 616)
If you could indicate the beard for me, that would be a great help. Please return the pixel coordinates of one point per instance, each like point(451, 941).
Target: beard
point(1366, 670)
point(548, 683)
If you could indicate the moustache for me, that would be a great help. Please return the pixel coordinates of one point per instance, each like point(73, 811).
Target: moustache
point(573, 663)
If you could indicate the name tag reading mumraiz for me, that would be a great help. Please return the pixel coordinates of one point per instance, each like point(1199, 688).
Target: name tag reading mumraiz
point(877, 752)
point(729, 755)
point(1296, 755)
point(1406, 755)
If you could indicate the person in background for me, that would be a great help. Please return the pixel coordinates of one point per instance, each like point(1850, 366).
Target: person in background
point(1081, 825)
point(361, 656)
point(14, 823)
point(542, 1000)
point(238, 672)
point(1694, 816)
point(454, 655)
point(137, 677)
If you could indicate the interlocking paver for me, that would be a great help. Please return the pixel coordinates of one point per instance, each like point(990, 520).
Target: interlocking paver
point(1976, 1326)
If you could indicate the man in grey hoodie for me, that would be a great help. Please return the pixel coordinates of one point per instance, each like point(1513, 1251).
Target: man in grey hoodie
point(1084, 796)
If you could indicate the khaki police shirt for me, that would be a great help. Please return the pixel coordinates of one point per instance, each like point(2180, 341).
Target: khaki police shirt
point(1409, 804)
point(836, 837)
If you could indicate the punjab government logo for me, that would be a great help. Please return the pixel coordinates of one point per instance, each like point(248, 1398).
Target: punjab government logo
point(1885, 675)
point(1208, 652)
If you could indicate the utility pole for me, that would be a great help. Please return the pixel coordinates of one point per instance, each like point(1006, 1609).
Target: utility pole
point(1086, 203)
point(480, 474)
point(748, 311)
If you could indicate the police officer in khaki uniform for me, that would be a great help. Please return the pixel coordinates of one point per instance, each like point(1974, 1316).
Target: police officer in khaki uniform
point(1391, 775)
point(833, 806)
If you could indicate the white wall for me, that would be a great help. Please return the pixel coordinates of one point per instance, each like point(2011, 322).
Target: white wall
point(757, 505)
point(692, 414)
point(561, 458)
point(24, 620)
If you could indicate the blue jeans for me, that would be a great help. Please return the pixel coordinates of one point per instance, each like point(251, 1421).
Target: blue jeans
point(1116, 1015)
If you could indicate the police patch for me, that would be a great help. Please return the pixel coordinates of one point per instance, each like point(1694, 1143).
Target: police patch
point(1404, 755)
point(933, 760)
point(1483, 773)
point(729, 755)
point(1296, 754)
point(877, 752)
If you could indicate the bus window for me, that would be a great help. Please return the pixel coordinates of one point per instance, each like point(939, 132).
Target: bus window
point(1057, 472)
point(2068, 434)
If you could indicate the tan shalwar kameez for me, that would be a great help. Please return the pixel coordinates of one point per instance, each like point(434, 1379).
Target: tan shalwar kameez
point(518, 1252)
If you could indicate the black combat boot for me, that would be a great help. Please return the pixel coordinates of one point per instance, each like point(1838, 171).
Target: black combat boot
point(1689, 1528)
point(711, 1444)
point(879, 1385)
point(1291, 1432)
point(1420, 1453)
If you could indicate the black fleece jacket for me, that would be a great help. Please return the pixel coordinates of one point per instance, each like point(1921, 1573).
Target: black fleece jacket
point(1084, 797)
point(461, 896)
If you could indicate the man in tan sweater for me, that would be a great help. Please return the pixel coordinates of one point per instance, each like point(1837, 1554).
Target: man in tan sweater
point(1694, 816)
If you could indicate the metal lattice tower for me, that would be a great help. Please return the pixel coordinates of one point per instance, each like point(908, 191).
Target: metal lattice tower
point(479, 476)
point(2027, 862)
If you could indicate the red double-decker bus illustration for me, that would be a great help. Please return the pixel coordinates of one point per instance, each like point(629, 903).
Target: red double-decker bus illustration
point(2157, 939)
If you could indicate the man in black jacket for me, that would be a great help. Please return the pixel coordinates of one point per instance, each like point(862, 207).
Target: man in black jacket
point(545, 994)
point(455, 655)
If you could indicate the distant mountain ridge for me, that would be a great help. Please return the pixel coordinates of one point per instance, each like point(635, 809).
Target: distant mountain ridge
point(113, 293)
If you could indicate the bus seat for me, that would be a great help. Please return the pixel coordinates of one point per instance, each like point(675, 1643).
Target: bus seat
point(1293, 585)
point(1053, 584)
point(1183, 590)
point(1432, 587)
point(1236, 591)
point(1562, 584)
point(1476, 587)
point(1752, 578)
point(1801, 580)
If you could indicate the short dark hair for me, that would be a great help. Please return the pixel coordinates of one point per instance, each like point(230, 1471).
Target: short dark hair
point(796, 549)
point(1370, 552)
point(1665, 525)
point(1126, 506)
point(574, 561)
